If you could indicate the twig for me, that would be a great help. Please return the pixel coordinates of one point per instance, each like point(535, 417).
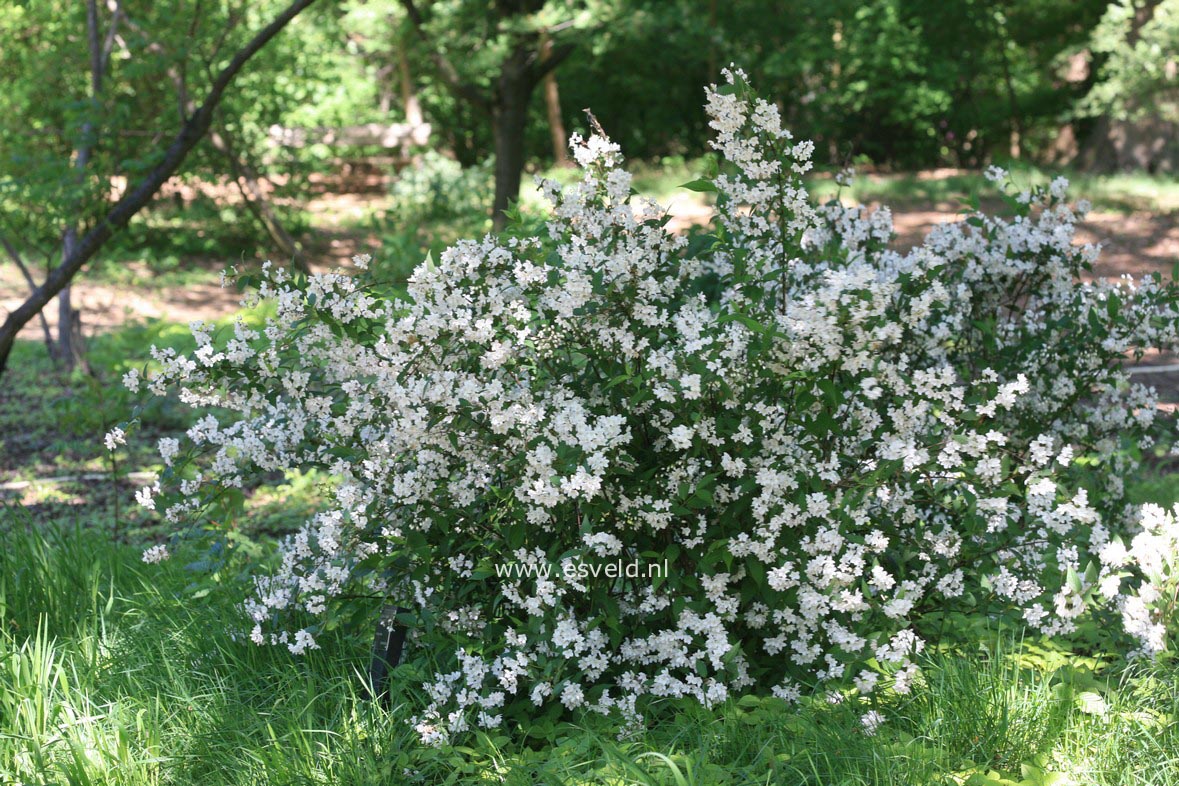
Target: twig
point(20, 264)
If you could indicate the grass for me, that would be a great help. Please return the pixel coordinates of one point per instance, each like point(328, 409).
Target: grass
point(52, 424)
point(112, 672)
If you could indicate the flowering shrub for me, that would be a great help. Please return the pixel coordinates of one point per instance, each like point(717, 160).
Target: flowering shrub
point(822, 437)
point(1154, 554)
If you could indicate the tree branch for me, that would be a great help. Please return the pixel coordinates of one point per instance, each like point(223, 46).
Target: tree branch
point(254, 195)
point(14, 255)
point(463, 90)
point(244, 175)
point(95, 47)
point(135, 199)
point(182, 69)
point(556, 56)
point(108, 46)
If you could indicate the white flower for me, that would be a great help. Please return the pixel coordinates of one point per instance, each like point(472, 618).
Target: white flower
point(114, 438)
point(681, 437)
point(866, 681)
point(833, 438)
point(155, 554)
point(169, 448)
point(303, 641)
point(145, 499)
point(871, 721)
point(572, 697)
point(995, 174)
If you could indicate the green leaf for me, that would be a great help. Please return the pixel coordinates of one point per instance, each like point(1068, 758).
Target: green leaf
point(757, 571)
point(700, 185)
point(515, 535)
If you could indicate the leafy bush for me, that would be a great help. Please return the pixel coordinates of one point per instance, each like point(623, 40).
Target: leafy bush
point(438, 188)
point(813, 439)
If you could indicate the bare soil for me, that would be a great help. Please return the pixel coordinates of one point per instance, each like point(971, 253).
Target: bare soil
point(1134, 244)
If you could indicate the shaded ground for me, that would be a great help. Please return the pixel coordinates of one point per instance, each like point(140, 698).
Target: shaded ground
point(53, 463)
point(107, 305)
point(1135, 240)
point(1135, 244)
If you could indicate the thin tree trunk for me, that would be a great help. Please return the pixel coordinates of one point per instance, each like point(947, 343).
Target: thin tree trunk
point(507, 105)
point(14, 255)
point(552, 102)
point(409, 97)
point(1015, 140)
point(713, 69)
point(1138, 142)
point(66, 350)
point(409, 100)
point(385, 101)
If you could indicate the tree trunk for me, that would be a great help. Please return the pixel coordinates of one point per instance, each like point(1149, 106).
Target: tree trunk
point(1015, 137)
point(713, 69)
point(409, 100)
point(64, 350)
point(61, 349)
point(1143, 141)
point(509, 117)
point(14, 255)
point(409, 97)
point(508, 103)
point(552, 102)
point(1145, 144)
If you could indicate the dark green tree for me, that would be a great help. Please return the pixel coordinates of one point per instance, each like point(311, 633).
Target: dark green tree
point(1135, 98)
point(500, 67)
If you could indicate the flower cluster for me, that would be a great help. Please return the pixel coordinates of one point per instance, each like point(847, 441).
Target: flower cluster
point(1154, 554)
point(825, 438)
